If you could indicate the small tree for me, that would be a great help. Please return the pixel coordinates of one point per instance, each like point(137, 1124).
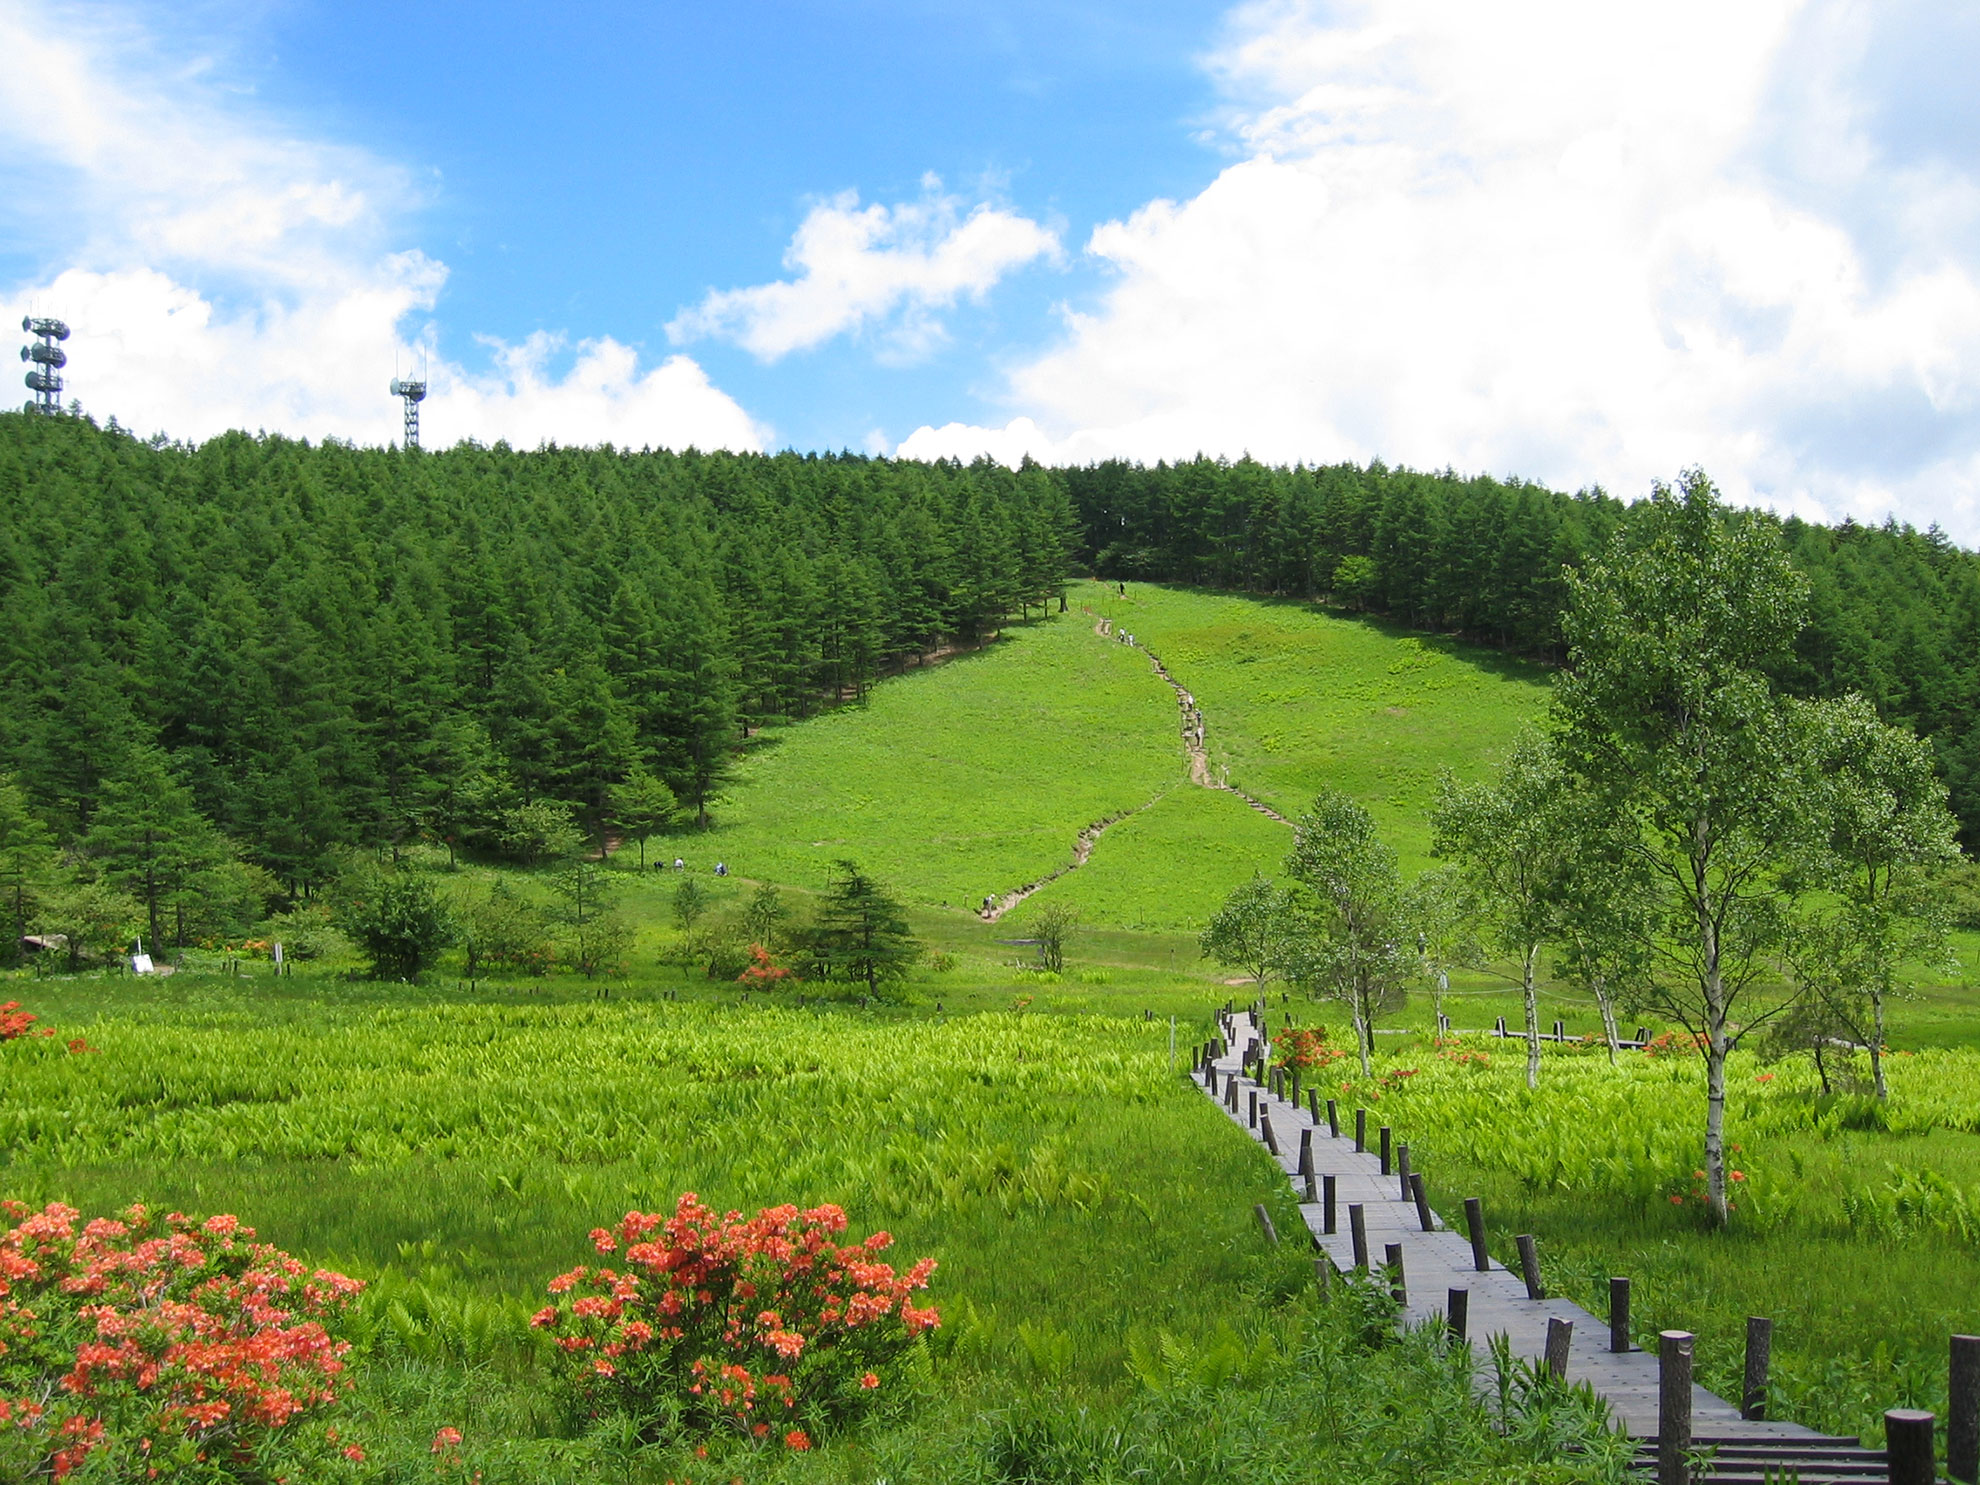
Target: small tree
point(539, 832)
point(501, 929)
point(595, 936)
point(691, 903)
point(642, 806)
point(1052, 925)
point(1250, 931)
point(1433, 908)
point(399, 923)
point(1887, 837)
point(763, 920)
point(861, 933)
point(1348, 945)
point(148, 835)
point(94, 917)
point(1512, 839)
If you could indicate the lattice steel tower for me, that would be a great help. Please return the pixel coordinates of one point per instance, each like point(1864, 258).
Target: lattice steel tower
point(414, 393)
point(47, 359)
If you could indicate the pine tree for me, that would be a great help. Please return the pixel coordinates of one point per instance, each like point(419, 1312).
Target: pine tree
point(148, 837)
point(861, 932)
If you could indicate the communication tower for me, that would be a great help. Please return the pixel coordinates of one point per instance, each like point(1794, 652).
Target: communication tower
point(414, 393)
point(46, 360)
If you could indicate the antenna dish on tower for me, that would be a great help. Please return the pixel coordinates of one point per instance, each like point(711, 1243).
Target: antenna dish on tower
point(47, 359)
point(414, 393)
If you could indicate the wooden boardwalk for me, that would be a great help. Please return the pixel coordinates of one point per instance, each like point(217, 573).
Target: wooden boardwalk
point(1441, 1260)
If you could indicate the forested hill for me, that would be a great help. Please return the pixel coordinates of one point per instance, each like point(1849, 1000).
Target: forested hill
point(325, 646)
point(1893, 612)
point(338, 645)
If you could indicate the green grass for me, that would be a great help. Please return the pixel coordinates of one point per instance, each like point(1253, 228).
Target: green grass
point(1296, 697)
point(960, 781)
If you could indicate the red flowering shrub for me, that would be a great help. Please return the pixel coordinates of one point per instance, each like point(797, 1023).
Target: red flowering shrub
point(1675, 1044)
point(752, 1324)
point(16, 1022)
point(1304, 1048)
point(763, 971)
point(154, 1348)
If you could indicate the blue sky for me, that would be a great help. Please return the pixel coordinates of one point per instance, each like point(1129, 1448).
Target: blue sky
point(1584, 244)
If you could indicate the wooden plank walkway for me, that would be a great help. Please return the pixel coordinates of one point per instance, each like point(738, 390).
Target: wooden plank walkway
point(1438, 1261)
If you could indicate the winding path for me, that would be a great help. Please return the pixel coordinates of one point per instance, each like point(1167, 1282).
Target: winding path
point(1199, 774)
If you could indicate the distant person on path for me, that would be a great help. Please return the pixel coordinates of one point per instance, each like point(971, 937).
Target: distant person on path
point(1121, 588)
point(721, 868)
point(679, 865)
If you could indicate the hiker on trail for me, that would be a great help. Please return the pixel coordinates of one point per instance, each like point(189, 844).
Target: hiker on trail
point(679, 865)
point(721, 868)
point(1121, 588)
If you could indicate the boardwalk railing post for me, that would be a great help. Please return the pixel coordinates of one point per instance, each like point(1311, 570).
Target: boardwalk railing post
point(1230, 1092)
point(1252, 1107)
point(1388, 1150)
point(1333, 1118)
point(1963, 1410)
point(1402, 1172)
point(1618, 1314)
point(1759, 1350)
point(1457, 1303)
point(1474, 1221)
point(1908, 1446)
point(1360, 1131)
point(1271, 1139)
point(1323, 1273)
point(1422, 1197)
point(1393, 1262)
point(1313, 1105)
point(1306, 1153)
point(1265, 1221)
point(1529, 1265)
point(1295, 1091)
point(1358, 1235)
point(1329, 1188)
point(1560, 1031)
point(1673, 1406)
point(1560, 1335)
point(1312, 1187)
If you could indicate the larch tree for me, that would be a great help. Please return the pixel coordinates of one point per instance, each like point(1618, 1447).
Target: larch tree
point(1250, 931)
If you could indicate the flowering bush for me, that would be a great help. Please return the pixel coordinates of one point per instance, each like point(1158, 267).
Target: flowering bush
point(159, 1347)
point(16, 1022)
point(1304, 1048)
point(754, 1324)
point(763, 971)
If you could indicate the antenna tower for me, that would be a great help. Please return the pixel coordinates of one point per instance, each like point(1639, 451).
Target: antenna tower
point(46, 360)
point(414, 393)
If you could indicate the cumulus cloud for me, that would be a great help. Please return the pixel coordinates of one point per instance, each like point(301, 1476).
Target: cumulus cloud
point(1588, 244)
point(890, 266)
point(221, 269)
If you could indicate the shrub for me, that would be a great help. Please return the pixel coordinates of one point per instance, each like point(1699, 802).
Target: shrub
point(400, 924)
point(166, 1347)
point(16, 1022)
point(763, 971)
point(764, 1325)
point(1305, 1048)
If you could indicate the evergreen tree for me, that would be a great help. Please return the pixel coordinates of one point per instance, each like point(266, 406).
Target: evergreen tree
point(861, 934)
point(148, 838)
point(27, 863)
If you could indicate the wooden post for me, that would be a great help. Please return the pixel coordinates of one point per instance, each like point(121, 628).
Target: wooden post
point(1329, 1189)
point(1392, 1261)
point(1642, 1035)
point(1422, 1198)
point(1312, 1187)
point(1306, 1152)
point(1618, 1314)
point(1560, 1335)
point(1560, 1031)
point(1360, 1131)
point(1358, 1235)
point(1265, 1221)
point(1474, 1221)
point(1908, 1447)
point(1759, 1350)
point(1500, 1029)
point(1529, 1265)
point(1230, 1092)
point(1333, 1118)
point(1294, 1100)
point(1963, 1410)
point(1252, 1107)
point(1402, 1172)
point(1313, 1105)
point(1388, 1150)
point(1457, 1304)
point(1673, 1406)
point(1323, 1274)
point(1271, 1139)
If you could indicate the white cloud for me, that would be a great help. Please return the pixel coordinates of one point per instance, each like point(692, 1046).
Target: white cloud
point(858, 266)
point(227, 271)
point(1579, 243)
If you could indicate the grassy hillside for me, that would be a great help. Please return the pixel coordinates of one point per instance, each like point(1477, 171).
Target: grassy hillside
point(1296, 697)
point(959, 781)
